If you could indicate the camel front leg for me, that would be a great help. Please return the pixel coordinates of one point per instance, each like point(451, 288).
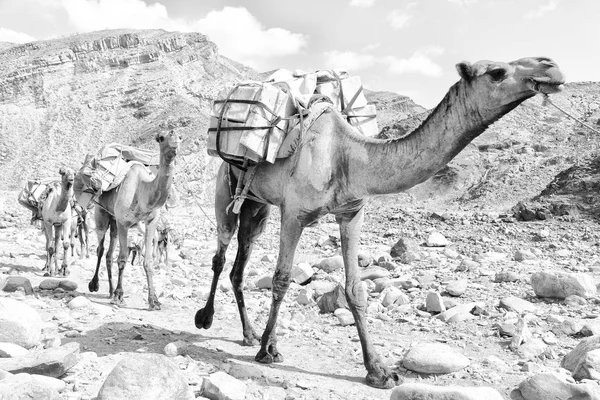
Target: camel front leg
point(66, 237)
point(226, 227)
point(253, 219)
point(291, 230)
point(48, 229)
point(57, 234)
point(122, 232)
point(378, 375)
point(151, 225)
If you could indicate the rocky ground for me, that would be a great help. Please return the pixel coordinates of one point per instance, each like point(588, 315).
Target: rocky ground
point(482, 260)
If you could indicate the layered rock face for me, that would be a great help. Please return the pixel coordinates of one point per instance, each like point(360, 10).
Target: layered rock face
point(63, 98)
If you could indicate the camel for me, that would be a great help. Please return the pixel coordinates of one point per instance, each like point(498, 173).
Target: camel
point(80, 230)
point(56, 221)
point(138, 198)
point(335, 170)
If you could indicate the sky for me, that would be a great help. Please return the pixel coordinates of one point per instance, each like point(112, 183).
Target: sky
point(409, 47)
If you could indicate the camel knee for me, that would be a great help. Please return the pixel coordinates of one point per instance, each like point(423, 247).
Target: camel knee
point(218, 261)
point(356, 294)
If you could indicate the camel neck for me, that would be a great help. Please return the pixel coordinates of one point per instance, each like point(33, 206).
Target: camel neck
point(66, 193)
point(158, 188)
point(398, 164)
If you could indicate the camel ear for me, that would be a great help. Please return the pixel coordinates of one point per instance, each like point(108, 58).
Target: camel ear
point(465, 70)
point(61, 171)
point(159, 138)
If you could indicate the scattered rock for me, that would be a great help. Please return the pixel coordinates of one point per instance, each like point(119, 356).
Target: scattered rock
point(221, 386)
point(522, 255)
point(264, 282)
point(420, 391)
point(374, 272)
point(19, 323)
point(333, 300)
point(517, 305)
point(434, 302)
point(344, 316)
point(52, 362)
point(553, 385)
point(436, 239)
point(390, 295)
point(331, 264)
point(79, 302)
point(447, 315)
point(13, 283)
point(574, 359)
point(24, 386)
point(49, 284)
point(560, 285)
point(146, 376)
point(434, 358)
point(506, 276)
point(67, 285)
point(364, 259)
point(244, 371)
point(174, 349)
point(406, 250)
point(457, 288)
point(302, 273)
point(305, 296)
point(11, 350)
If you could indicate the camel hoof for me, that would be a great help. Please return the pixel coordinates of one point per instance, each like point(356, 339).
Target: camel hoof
point(252, 340)
point(385, 380)
point(264, 358)
point(93, 286)
point(153, 304)
point(204, 318)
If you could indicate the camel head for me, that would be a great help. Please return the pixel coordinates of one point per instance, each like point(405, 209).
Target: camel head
point(500, 85)
point(168, 144)
point(68, 176)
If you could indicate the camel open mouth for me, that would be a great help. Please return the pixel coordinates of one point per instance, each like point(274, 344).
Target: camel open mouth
point(545, 85)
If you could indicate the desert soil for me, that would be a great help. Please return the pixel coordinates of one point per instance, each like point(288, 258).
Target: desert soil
point(323, 359)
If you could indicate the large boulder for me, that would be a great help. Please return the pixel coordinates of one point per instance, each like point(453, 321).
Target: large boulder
point(25, 386)
point(420, 391)
point(19, 323)
point(583, 360)
point(556, 386)
point(560, 285)
point(145, 376)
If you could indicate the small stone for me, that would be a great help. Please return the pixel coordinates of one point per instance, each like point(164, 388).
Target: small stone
point(11, 350)
point(333, 300)
point(264, 282)
point(49, 284)
point(517, 305)
point(506, 276)
point(575, 301)
point(434, 302)
point(50, 362)
point(390, 295)
point(302, 273)
point(457, 288)
point(434, 358)
point(174, 349)
point(522, 255)
point(374, 272)
point(305, 296)
point(364, 259)
point(344, 316)
point(406, 250)
point(331, 264)
point(79, 302)
point(436, 239)
point(67, 285)
point(221, 386)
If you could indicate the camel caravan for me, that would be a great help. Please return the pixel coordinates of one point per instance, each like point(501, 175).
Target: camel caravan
point(298, 141)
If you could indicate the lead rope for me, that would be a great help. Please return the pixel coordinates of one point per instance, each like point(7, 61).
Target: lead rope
point(548, 101)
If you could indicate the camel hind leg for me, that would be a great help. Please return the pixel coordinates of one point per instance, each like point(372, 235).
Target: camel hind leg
point(253, 219)
point(226, 227)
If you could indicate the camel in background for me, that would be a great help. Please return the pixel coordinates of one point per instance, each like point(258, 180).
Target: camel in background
point(138, 198)
point(335, 170)
point(80, 230)
point(56, 221)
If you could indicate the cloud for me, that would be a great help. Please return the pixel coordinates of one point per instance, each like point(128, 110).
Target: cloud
point(348, 60)
point(543, 9)
point(362, 3)
point(399, 19)
point(93, 15)
point(8, 35)
point(238, 34)
point(242, 37)
point(420, 62)
point(463, 2)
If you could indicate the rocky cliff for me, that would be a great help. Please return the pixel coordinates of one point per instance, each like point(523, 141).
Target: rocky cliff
point(63, 98)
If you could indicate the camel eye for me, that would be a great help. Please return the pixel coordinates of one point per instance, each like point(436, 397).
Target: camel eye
point(160, 139)
point(497, 74)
